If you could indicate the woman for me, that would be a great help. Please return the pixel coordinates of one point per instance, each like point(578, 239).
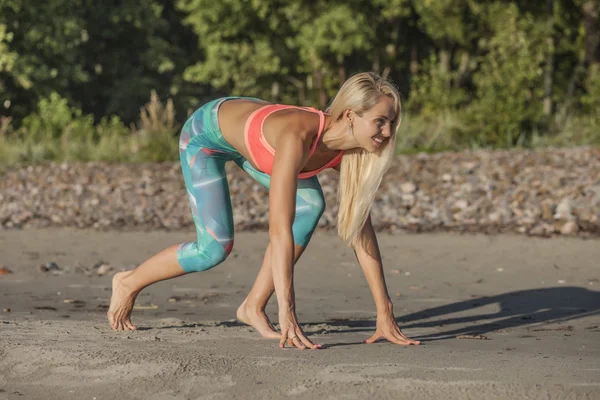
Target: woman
point(282, 147)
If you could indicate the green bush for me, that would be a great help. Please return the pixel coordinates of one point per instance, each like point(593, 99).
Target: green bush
point(59, 132)
point(155, 136)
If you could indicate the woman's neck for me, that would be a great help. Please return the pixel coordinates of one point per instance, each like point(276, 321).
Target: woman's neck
point(336, 135)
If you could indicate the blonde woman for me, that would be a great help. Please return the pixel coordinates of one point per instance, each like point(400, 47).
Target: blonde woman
point(283, 147)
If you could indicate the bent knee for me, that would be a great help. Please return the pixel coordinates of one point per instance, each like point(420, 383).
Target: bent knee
point(306, 221)
point(311, 211)
point(198, 256)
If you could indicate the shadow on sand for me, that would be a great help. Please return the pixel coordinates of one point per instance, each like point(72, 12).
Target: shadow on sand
point(514, 309)
point(533, 307)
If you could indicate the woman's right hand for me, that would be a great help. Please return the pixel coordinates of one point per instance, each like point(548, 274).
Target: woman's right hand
point(292, 334)
point(293, 149)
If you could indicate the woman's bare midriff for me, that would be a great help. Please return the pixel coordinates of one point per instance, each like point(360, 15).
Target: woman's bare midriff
point(232, 117)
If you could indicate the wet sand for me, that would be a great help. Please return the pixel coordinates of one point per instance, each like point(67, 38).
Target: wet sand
point(536, 301)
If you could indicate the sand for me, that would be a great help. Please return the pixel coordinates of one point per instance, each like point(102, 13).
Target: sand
point(535, 300)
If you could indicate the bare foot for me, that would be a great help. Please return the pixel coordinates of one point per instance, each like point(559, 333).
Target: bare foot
point(257, 319)
point(121, 304)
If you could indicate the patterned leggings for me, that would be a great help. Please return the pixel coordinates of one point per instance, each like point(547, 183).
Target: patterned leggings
point(203, 152)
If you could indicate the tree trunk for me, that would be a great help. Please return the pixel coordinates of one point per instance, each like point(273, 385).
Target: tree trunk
point(445, 65)
point(318, 73)
point(463, 69)
point(549, 72)
point(444, 60)
point(275, 92)
point(414, 60)
point(341, 69)
point(376, 61)
point(592, 48)
point(301, 96)
point(300, 87)
point(592, 37)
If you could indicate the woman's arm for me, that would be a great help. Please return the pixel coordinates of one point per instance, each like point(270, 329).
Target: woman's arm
point(367, 253)
point(290, 157)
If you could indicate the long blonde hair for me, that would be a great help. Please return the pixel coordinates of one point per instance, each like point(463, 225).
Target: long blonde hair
point(361, 172)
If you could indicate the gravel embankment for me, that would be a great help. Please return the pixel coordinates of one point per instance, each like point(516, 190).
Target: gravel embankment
point(541, 193)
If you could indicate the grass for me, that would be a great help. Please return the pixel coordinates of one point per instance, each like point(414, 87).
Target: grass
point(155, 137)
point(442, 133)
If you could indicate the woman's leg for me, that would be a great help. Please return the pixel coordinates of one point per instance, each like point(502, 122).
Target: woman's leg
point(310, 205)
point(252, 310)
point(208, 194)
point(127, 285)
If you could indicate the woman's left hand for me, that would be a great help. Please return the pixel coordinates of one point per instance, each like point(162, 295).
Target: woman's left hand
point(387, 328)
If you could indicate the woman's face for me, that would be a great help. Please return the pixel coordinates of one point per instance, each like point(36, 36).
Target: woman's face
point(374, 127)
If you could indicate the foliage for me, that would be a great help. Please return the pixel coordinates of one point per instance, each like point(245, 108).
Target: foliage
point(472, 73)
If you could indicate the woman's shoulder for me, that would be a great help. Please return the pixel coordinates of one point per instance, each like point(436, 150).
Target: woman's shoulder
point(310, 118)
point(300, 120)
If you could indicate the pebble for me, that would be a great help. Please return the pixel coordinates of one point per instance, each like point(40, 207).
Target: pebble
point(50, 267)
point(564, 209)
point(103, 269)
point(569, 228)
point(408, 187)
point(542, 192)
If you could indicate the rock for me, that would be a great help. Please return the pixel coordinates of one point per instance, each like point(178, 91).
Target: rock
point(98, 264)
point(486, 191)
point(564, 209)
point(569, 228)
point(408, 187)
point(494, 217)
point(50, 267)
point(78, 267)
point(542, 229)
point(469, 166)
point(408, 200)
point(547, 213)
point(460, 205)
point(103, 269)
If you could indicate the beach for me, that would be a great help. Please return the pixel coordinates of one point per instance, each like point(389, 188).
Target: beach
point(499, 316)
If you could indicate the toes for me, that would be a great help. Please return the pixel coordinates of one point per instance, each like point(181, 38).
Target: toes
point(402, 341)
point(111, 321)
point(372, 339)
point(119, 324)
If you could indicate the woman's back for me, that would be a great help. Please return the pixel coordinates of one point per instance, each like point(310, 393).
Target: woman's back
point(234, 114)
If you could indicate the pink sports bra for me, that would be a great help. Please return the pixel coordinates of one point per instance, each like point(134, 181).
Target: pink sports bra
point(261, 151)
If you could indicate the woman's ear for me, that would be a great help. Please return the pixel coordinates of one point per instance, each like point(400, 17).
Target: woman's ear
point(349, 116)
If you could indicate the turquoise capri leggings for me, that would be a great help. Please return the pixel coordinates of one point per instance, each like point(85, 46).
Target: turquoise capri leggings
point(203, 152)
